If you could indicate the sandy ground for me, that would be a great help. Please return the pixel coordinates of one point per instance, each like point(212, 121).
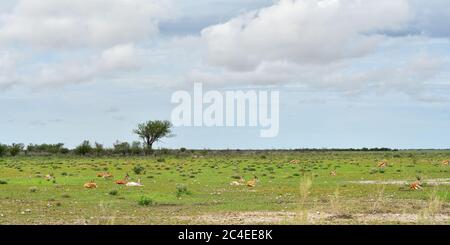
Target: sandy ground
point(430, 182)
point(242, 218)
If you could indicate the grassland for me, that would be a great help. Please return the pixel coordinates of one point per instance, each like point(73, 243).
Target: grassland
point(194, 188)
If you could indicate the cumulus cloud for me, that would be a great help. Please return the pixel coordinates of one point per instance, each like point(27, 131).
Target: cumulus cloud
point(115, 60)
point(303, 31)
point(68, 24)
point(420, 76)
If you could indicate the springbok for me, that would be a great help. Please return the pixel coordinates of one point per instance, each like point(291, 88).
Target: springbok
point(90, 185)
point(49, 177)
point(252, 183)
point(382, 164)
point(124, 181)
point(238, 183)
point(446, 162)
point(416, 185)
point(104, 175)
point(134, 184)
point(333, 173)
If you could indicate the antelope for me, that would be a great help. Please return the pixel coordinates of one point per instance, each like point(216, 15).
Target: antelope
point(252, 183)
point(382, 164)
point(104, 175)
point(90, 185)
point(294, 162)
point(49, 177)
point(333, 173)
point(446, 162)
point(416, 185)
point(123, 182)
point(134, 184)
point(238, 183)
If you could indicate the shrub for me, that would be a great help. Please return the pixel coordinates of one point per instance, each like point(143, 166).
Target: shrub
point(182, 149)
point(373, 171)
point(138, 169)
point(3, 182)
point(145, 201)
point(33, 189)
point(113, 193)
point(182, 190)
point(84, 148)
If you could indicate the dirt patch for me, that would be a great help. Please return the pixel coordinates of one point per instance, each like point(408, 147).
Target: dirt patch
point(430, 182)
point(256, 218)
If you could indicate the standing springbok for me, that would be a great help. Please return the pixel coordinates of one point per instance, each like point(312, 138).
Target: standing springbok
point(382, 164)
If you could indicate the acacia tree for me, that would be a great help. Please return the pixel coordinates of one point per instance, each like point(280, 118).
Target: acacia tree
point(153, 131)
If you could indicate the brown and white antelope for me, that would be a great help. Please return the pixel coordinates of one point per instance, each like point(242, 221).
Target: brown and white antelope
point(124, 181)
point(134, 184)
point(252, 183)
point(238, 183)
point(382, 164)
point(416, 185)
point(104, 175)
point(90, 185)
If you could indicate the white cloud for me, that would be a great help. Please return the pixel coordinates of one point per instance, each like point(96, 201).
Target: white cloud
point(303, 31)
point(8, 76)
point(115, 60)
point(68, 23)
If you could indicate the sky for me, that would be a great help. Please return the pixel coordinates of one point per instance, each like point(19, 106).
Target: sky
point(351, 73)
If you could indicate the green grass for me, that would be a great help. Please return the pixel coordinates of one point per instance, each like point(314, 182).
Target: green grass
point(192, 188)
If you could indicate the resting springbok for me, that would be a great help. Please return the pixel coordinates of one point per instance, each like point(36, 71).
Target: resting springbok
point(90, 185)
point(124, 181)
point(104, 175)
point(416, 185)
point(49, 177)
point(134, 184)
point(252, 183)
point(333, 173)
point(238, 183)
point(446, 162)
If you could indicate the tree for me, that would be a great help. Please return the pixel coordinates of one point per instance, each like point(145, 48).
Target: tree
point(122, 148)
point(84, 148)
point(15, 149)
point(3, 150)
point(153, 131)
point(99, 149)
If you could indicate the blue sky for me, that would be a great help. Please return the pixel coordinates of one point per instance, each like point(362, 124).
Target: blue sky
point(350, 73)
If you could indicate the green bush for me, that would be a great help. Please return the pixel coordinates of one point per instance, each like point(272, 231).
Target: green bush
point(182, 190)
point(3, 182)
point(138, 169)
point(113, 193)
point(145, 201)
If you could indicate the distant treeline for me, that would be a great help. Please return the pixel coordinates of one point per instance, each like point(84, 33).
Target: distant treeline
point(85, 148)
point(349, 149)
point(135, 148)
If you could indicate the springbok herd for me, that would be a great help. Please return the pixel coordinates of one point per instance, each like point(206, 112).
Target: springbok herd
point(125, 181)
point(416, 185)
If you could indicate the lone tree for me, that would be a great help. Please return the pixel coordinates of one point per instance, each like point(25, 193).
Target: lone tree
point(153, 131)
